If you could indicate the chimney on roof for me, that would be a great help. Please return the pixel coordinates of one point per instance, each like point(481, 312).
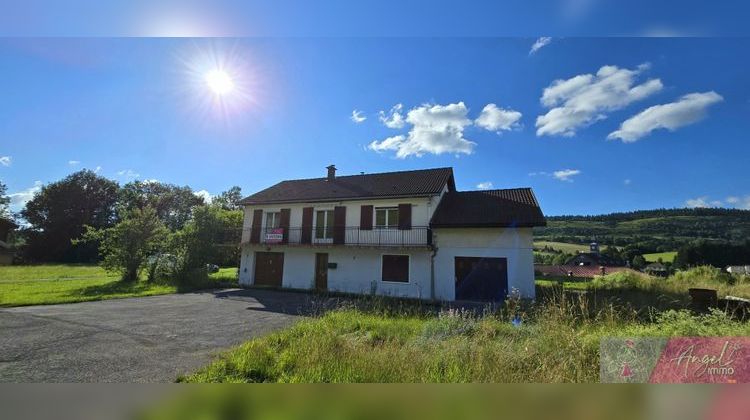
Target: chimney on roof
point(331, 172)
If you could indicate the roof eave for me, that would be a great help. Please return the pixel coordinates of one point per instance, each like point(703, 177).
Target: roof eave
point(333, 200)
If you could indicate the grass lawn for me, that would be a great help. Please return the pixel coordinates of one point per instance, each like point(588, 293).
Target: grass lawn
point(558, 340)
point(665, 256)
point(49, 284)
point(562, 246)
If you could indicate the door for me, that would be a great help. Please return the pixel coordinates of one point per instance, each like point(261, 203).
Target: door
point(481, 279)
point(321, 271)
point(269, 268)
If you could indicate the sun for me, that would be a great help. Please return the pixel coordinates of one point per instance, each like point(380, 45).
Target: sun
point(219, 82)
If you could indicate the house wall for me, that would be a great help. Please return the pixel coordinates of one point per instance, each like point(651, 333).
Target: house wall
point(515, 244)
point(358, 269)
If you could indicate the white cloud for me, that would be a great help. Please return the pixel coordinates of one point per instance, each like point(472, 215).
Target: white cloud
point(128, 173)
point(205, 195)
point(497, 119)
point(733, 200)
point(687, 110)
point(487, 185)
point(540, 42)
point(394, 118)
point(6, 160)
point(701, 202)
point(357, 116)
point(73, 162)
point(150, 181)
point(435, 129)
point(627, 182)
point(97, 169)
point(584, 99)
point(566, 174)
point(19, 199)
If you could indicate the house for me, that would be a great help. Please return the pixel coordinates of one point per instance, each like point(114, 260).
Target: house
point(406, 234)
point(656, 269)
point(738, 269)
point(6, 252)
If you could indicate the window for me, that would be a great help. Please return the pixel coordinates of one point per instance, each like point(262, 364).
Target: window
point(273, 220)
point(386, 217)
point(395, 268)
point(324, 224)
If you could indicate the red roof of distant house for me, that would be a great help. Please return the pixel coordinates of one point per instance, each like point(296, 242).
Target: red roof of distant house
point(585, 271)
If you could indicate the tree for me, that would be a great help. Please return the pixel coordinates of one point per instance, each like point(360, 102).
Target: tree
point(4, 201)
point(126, 246)
point(59, 211)
point(172, 204)
point(210, 237)
point(638, 262)
point(229, 199)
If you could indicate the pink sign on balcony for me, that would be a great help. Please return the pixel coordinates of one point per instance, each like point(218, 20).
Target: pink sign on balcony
point(274, 236)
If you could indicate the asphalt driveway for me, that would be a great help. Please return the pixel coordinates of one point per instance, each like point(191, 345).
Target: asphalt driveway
point(148, 339)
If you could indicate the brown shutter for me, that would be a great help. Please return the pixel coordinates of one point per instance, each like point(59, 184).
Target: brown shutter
point(284, 224)
point(339, 225)
point(365, 218)
point(257, 223)
point(404, 216)
point(307, 219)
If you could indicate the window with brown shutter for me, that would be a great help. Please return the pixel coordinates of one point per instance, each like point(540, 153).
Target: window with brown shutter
point(284, 224)
point(365, 218)
point(395, 268)
point(307, 223)
point(404, 216)
point(256, 226)
point(339, 225)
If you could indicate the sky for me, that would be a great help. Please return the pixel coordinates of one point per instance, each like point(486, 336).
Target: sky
point(593, 125)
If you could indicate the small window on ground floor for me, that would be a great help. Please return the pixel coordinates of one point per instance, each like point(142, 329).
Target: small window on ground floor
point(396, 268)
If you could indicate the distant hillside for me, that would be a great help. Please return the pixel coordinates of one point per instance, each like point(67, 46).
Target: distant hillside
point(659, 230)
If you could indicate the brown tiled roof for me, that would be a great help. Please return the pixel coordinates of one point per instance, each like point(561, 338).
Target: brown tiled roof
point(583, 271)
point(389, 184)
point(515, 207)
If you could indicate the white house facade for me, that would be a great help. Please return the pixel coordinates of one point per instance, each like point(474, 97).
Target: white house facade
point(405, 234)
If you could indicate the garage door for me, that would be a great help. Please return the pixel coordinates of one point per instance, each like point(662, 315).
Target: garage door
point(269, 268)
point(483, 279)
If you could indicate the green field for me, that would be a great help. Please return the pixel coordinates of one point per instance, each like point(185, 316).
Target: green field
point(665, 256)
point(49, 284)
point(562, 246)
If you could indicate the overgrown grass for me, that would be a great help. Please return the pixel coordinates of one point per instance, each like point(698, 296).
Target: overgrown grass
point(51, 284)
point(562, 246)
point(379, 340)
point(558, 341)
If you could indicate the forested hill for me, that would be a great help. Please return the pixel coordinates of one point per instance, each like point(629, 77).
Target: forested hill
point(666, 228)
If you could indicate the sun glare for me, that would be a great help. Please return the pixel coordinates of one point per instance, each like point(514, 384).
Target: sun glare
point(219, 82)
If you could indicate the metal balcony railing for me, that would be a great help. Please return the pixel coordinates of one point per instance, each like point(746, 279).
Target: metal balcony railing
point(349, 235)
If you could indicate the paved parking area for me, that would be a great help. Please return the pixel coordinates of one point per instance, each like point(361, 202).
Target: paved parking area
point(148, 339)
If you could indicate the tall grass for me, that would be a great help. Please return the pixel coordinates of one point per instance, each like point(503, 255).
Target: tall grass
point(557, 341)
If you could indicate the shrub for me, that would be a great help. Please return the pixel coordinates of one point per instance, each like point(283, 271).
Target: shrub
point(623, 279)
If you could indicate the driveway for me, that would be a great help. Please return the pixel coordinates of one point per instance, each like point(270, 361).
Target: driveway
point(149, 339)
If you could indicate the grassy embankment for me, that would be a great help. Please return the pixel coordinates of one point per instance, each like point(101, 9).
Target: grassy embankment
point(558, 340)
point(60, 283)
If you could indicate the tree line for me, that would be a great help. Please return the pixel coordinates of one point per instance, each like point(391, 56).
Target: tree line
point(86, 218)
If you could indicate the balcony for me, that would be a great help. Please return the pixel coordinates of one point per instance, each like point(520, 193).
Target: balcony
point(417, 236)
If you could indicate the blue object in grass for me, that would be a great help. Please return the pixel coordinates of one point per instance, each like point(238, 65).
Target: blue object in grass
point(516, 321)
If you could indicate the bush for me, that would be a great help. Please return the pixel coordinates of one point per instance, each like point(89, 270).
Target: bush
point(623, 279)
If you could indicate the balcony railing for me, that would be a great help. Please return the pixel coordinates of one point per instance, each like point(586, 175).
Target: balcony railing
point(355, 236)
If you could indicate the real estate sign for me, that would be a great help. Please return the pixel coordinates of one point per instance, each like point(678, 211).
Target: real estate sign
point(274, 236)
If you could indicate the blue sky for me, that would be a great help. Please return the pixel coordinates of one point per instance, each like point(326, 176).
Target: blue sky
point(139, 108)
